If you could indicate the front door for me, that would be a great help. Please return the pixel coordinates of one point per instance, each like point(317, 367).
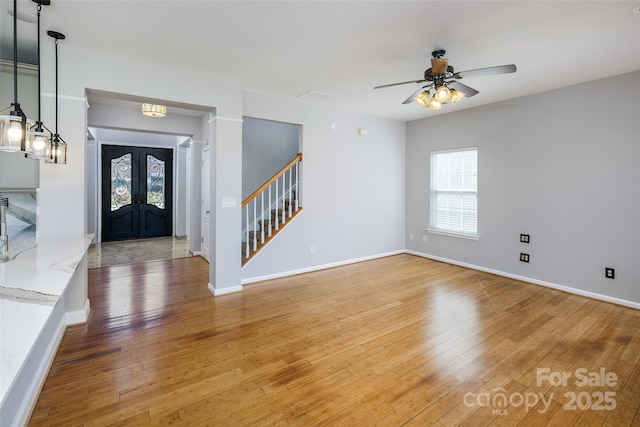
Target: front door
point(137, 192)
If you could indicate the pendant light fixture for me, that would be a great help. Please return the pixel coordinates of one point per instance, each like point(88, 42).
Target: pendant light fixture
point(57, 150)
point(13, 128)
point(39, 140)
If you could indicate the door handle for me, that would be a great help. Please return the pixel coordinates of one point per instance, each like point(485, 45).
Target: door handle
point(207, 212)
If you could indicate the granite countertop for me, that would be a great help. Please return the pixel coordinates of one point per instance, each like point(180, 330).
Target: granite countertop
point(30, 285)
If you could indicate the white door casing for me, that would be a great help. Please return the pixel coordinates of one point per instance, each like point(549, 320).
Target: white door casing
point(206, 203)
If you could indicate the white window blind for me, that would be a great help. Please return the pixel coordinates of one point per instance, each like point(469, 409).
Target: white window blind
point(454, 192)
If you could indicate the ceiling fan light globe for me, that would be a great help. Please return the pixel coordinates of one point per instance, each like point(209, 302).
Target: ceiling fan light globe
point(435, 104)
point(443, 94)
point(456, 96)
point(422, 99)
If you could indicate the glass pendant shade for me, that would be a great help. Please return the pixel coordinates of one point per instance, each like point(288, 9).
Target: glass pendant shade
point(11, 133)
point(39, 141)
point(56, 151)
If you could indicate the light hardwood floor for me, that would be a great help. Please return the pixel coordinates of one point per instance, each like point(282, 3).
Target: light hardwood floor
point(393, 341)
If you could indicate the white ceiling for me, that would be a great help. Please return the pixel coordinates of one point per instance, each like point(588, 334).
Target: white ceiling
point(345, 48)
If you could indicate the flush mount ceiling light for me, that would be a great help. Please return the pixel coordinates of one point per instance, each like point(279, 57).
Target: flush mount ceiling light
point(443, 79)
point(154, 110)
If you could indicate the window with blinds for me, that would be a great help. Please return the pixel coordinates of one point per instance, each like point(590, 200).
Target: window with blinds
point(454, 192)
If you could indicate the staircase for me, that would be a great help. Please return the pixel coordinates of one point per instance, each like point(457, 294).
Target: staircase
point(270, 208)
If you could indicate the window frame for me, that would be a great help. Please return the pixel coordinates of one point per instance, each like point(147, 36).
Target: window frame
point(433, 226)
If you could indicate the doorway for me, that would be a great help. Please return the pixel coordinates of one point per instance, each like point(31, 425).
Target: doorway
point(137, 192)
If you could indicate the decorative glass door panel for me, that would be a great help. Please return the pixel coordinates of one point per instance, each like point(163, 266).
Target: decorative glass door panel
point(137, 192)
point(120, 182)
point(155, 182)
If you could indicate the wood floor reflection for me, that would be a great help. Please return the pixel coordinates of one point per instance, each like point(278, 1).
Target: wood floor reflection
point(398, 340)
point(137, 250)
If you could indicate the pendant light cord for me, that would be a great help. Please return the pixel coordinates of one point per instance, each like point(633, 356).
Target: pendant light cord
point(39, 123)
point(56, 88)
point(15, 53)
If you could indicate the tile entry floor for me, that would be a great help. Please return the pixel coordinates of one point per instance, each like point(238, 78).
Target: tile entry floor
point(132, 251)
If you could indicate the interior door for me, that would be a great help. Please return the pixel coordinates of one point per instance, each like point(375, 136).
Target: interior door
point(137, 192)
point(206, 205)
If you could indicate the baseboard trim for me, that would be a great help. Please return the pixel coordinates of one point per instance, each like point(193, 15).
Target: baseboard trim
point(223, 291)
point(78, 316)
point(318, 267)
point(563, 288)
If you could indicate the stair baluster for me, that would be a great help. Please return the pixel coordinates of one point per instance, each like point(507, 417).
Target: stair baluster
point(290, 193)
point(273, 216)
point(284, 195)
point(270, 224)
point(277, 219)
point(261, 216)
point(297, 181)
point(255, 227)
point(246, 245)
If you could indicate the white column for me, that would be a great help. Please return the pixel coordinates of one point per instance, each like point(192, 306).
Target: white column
point(225, 134)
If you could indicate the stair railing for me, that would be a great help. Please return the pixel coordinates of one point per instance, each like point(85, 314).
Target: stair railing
point(279, 190)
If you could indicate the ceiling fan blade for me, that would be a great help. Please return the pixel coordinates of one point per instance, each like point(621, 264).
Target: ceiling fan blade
point(439, 65)
point(401, 83)
point(468, 91)
point(478, 72)
point(409, 100)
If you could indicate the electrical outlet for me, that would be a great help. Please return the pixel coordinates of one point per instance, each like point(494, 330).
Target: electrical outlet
point(410, 236)
point(524, 257)
point(524, 238)
point(424, 239)
point(312, 249)
point(609, 273)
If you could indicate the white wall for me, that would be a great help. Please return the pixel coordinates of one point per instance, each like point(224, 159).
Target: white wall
point(62, 187)
point(267, 146)
point(108, 116)
point(352, 188)
point(562, 166)
point(62, 205)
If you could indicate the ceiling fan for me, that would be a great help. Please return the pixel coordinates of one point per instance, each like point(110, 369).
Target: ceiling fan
point(443, 79)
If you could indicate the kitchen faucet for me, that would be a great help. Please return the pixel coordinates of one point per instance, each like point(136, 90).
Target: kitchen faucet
point(4, 233)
